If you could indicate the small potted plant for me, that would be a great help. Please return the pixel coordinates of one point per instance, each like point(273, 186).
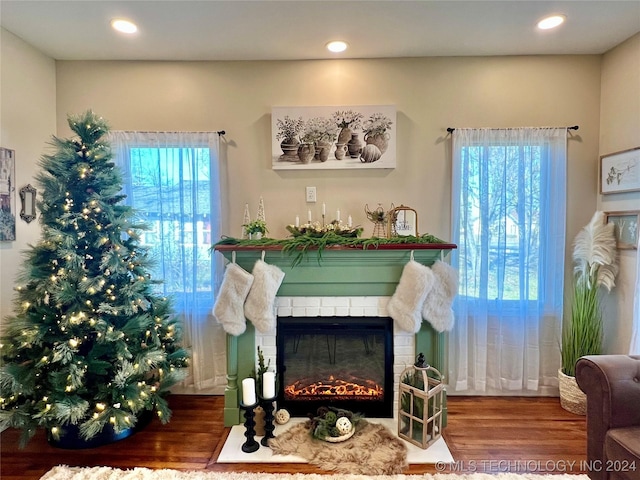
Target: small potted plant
point(288, 131)
point(375, 131)
point(255, 229)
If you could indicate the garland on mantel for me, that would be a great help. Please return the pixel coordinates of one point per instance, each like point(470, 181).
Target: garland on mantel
point(300, 245)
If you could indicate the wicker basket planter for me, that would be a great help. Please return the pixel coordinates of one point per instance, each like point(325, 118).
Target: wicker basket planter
point(572, 399)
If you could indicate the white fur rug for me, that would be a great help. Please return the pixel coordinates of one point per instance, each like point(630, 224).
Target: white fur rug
point(106, 473)
point(232, 449)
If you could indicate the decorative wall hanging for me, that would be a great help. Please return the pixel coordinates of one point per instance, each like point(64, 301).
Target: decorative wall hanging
point(28, 203)
point(333, 137)
point(620, 171)
point(7, 195)
point(626, 228)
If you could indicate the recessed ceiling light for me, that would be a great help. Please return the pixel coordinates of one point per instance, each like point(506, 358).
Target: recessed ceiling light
point(551, 22)
point(124, 26)
point(337, 46)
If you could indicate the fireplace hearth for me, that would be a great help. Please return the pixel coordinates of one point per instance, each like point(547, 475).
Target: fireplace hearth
point(344, 362)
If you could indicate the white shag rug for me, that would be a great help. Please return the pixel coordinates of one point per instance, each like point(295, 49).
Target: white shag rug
point(105, 473)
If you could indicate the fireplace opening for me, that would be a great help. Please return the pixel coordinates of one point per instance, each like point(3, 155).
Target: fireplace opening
point(344, 362)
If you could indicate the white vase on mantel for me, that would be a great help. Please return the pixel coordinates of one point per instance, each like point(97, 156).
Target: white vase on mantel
point(255, 236)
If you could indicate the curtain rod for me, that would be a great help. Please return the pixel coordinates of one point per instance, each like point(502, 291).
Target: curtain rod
point(219, 132)
point(575, 127)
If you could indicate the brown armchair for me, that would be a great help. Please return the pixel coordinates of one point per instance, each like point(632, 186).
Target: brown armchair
point(612, 386)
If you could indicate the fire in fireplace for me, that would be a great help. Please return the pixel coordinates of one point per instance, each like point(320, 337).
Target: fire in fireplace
point(345, 362)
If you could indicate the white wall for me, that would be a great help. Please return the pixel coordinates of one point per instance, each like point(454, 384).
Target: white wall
point(27, 120)
point(620, 130)
point(430, 95)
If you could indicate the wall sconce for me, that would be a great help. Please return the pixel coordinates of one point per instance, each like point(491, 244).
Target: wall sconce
point(28, 200)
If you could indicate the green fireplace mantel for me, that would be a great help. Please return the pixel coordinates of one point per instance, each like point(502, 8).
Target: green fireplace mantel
point(341, 271)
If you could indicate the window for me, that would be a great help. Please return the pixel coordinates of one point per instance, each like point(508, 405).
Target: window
point(508, 219)
point(500, 221)
point(171, 187)
point(172, 180)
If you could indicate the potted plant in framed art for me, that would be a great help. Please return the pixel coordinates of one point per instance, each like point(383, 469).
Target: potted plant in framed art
point(347, 121)
point(375, 130)
point(322, 132)
point(288, 131)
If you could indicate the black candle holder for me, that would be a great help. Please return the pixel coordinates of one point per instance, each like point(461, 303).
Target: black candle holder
point(267, 405)
point(250, 445)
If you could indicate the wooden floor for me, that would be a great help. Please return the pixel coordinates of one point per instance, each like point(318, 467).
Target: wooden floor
point(486, 434)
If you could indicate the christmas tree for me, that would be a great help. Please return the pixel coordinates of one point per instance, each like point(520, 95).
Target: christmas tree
point(90, 344)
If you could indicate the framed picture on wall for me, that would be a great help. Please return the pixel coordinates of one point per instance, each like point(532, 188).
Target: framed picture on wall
point(620, 171)
point(333, 137)
point(626, 228)
point(7, 195)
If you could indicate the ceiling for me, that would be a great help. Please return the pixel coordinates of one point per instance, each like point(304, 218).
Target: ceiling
point(295, 30)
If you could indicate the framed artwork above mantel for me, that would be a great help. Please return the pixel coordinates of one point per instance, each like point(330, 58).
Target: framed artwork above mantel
point(620, 171)
point(333, 137)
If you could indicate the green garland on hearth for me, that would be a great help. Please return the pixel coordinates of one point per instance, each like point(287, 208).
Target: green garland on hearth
point(300, 245)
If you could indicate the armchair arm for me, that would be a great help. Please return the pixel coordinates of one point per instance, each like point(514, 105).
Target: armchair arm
point(612, 386)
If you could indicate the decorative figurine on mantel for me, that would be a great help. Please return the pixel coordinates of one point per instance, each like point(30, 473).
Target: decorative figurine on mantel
point(379, 219)
point(246, 220)
point(254, 230)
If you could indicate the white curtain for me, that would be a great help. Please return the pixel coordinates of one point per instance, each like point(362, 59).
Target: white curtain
point(172, 179)
point(634, 347)
point(508, 220)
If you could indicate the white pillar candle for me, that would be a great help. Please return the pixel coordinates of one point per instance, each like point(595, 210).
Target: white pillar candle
point(349, 221)
point(338, 215)
point(268, 385)
point(249, 391)
point(297, 221)
point(324, 209)
point(309, 216)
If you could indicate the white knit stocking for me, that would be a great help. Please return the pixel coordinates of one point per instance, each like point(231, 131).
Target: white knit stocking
point(437, 306)
point(405, 304)
point(228, 308)
point(260, 304)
